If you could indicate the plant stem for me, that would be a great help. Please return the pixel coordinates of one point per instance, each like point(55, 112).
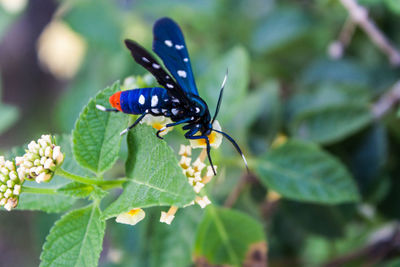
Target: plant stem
point(77, 178)
point(105, 184)
point(359, 15)
point(387, 101)
point(37, 190)
point(109, 184)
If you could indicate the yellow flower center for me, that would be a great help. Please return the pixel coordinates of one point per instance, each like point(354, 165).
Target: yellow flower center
point(133, 212)
point(157, 125)
point(211, 137)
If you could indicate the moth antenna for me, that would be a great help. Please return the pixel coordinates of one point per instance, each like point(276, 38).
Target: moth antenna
point(235, 145)
point(221, 92)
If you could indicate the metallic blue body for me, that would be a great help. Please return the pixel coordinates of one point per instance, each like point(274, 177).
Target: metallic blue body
point(130, 101)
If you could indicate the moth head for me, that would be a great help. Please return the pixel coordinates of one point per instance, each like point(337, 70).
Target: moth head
point(115, 100)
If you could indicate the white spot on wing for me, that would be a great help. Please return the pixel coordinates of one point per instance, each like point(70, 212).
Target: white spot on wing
point(179, 47)
point(176, 100)
point(145, 59)
point(154, 100)
point(197, 110)
point(186, 59)
point(168, 43)
point(156, 66)
point(141, 100)
point(167, 77)
point(174, 111)
point(154, 110)
point(170, 85)
point(182, 73)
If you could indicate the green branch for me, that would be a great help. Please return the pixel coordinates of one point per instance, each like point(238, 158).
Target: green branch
point(38, 190)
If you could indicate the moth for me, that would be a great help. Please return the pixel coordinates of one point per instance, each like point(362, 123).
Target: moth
point(178, 98)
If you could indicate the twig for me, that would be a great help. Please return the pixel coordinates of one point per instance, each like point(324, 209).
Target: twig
point(360, 16)
point(387, 101)
point(371, 254)
point(337, 47)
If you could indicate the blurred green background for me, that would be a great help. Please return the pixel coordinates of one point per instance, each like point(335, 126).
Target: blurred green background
point(283, 80)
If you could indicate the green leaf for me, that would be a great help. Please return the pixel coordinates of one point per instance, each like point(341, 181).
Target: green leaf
point(46, 203)
point(331, 123)
point(338, 71)
point(393, 5)
point(172, 245)
point(76, 189)
point(279, 29)
point(229, 237)
point(237, 61)
point(302, 171)
point(156, 177)
point(96, 135)
point(326, 94)
point(9, 115)
point(75, 240)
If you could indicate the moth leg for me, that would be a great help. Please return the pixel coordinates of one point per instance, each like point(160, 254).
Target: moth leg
point(205, 137)
point(102, 108)
point(170, 125)
point(134, 124)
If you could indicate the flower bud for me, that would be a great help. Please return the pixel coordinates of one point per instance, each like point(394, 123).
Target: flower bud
point(40, 160)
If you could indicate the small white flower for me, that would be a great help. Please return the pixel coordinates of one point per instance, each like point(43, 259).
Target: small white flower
point(166, 218)
point(131, 217)
point(48, 164)
point(43, 177)
point(8, 206)
point(17, 189)
point(198, 186)
point(8, 193)
point(48, 152)
point(9, 165)
point(10, 184)
point(198, 165)
point(4, 171)
point(185, 162)
point(57, 155)
point(13, 175)
point(197, 176)
point(11, 203)
point(157, 122)
point(189, 172)
point(203, 202)
point(214, 138)
point(185, 150)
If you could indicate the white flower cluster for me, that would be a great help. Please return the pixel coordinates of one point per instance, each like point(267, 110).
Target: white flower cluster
point(40, 160)
point(10, 184)
point(193, 171)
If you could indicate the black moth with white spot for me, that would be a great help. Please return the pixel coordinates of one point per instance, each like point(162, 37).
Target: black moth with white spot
point(179, 98)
